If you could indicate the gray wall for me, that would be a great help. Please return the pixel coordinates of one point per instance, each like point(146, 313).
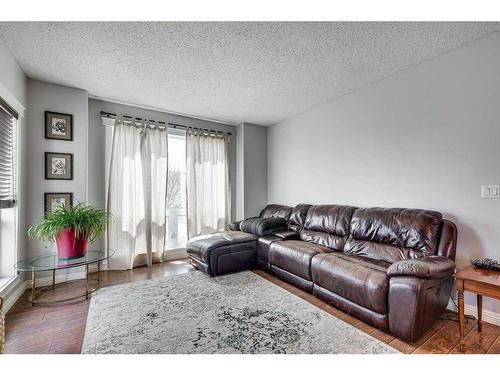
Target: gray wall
point(43, 96)
point(255, 154)
point(428, 137)
point(97, 144)
point(251, 173)
point(89, 149)
point(240, 172)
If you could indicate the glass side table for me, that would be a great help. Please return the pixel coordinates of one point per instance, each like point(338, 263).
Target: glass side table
point(53, 263)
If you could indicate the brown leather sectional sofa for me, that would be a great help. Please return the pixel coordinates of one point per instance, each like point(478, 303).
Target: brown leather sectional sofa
point(391, 267)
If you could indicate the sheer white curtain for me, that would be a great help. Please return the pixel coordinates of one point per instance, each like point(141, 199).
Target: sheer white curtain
point(137, 195)
point(208, 189)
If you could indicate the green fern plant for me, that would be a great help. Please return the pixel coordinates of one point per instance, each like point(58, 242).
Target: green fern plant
point(88, 222)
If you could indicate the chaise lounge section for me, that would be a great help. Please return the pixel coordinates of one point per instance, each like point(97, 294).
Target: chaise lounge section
point(225, 252)
point(235, 250)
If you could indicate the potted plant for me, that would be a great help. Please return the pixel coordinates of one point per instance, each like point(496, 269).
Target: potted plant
point(72, 227)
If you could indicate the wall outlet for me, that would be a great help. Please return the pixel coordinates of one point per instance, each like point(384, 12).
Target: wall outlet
point(490, 191)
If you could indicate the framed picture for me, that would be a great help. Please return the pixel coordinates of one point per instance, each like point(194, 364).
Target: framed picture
point(55, 200)
point(58, 166)
point(58, 126)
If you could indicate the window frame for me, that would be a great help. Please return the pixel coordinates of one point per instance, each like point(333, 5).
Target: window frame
point(12, 112)
point(12, 240)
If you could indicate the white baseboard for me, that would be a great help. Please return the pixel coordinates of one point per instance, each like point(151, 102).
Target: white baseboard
point(488, 316)
point(12, 293)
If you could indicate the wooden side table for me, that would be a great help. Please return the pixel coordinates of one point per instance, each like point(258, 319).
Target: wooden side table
point(477, 280)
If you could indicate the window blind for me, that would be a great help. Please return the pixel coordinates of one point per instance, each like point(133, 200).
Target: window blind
point(8, 121)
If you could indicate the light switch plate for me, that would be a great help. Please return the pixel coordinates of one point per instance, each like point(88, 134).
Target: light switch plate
point(495, 191)
point(490, 191)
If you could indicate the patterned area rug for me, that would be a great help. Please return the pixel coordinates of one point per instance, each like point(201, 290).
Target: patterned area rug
point(236, 313)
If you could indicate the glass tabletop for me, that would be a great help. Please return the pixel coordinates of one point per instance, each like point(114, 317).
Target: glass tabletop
point(52, 261)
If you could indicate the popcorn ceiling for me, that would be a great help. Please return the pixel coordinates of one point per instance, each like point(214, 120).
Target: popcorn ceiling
point(261, 73)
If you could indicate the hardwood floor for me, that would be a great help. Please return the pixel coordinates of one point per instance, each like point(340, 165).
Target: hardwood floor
point(60, 329)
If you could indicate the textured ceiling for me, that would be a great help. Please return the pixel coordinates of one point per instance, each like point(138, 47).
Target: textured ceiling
point(259, 72)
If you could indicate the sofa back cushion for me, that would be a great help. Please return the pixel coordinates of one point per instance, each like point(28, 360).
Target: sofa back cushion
point(393, 234)
point(276, 210)
point(327, 225)
point(298, 217)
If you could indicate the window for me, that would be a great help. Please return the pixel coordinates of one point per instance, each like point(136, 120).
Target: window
point(8, 209)
point(176, 190)
point(8, 120)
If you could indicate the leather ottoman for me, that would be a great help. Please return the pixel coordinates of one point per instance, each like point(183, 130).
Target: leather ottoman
point(223, 252)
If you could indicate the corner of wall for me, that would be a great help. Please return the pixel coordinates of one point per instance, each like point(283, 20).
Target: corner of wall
point(240, 171)
point(251, 170)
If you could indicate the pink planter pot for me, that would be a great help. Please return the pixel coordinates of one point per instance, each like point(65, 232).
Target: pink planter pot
point(69, 247)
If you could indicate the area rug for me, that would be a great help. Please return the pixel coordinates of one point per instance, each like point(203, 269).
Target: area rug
point(236, 313)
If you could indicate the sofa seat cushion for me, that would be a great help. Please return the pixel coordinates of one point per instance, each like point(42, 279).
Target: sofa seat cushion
point(201, 246)
point(363, 281)
point(295, 256)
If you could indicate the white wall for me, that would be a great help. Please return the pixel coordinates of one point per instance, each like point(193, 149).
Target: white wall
point(428, 137)
point(43, 96)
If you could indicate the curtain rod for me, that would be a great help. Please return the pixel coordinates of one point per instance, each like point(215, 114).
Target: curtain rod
point(169, 124)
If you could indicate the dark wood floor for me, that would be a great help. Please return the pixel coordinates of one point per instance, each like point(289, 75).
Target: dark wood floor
point(60, 329)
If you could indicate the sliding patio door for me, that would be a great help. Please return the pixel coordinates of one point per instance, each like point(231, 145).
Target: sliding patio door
point(176, 191)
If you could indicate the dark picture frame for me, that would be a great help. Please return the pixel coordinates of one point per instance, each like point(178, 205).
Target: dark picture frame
point(49, 197)
point(58, 126)
point(58, 166)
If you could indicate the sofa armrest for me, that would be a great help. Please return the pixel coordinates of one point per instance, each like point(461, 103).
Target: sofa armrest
point(287, 235)
point(431, 267)
point(234, 226)
point(263, 226)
